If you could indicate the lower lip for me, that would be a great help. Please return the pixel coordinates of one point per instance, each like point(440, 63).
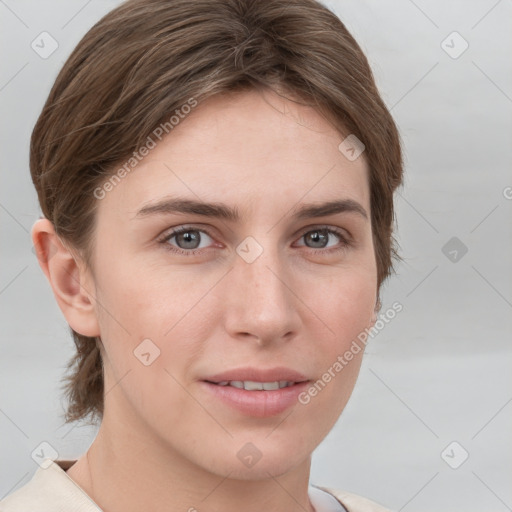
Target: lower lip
point(260, 404)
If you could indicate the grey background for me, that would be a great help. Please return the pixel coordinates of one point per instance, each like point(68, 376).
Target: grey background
point(440, 371)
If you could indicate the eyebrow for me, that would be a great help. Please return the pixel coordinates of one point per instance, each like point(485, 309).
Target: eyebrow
point(225, 212)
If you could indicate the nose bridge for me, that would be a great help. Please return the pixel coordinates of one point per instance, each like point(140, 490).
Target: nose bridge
point(261, 303)
point(259, 270)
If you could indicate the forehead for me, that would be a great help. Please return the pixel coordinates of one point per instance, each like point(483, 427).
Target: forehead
point(249, 149)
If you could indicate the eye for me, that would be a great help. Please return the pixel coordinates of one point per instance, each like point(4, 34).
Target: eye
point(188, 240)
point(318, 239)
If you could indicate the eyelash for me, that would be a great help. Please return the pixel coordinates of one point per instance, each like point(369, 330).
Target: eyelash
point(344, 242)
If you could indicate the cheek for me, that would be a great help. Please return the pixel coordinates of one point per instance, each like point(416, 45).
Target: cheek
point(149, 337)
point(160, 313)
point(148, 301)
point(345, 305)
point(344, 310)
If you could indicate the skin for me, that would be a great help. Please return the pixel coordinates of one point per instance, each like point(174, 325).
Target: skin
point(164, 443)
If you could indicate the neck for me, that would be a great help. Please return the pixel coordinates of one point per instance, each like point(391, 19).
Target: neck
point(128, 469)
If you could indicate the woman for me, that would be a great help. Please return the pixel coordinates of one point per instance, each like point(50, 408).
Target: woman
point(216, 179)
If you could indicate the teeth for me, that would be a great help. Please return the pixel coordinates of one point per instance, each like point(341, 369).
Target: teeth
point(250, 385)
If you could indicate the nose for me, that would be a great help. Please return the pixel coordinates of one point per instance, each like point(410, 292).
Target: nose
point(261, 303)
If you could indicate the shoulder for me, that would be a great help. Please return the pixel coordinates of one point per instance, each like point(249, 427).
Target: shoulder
point(354, 502)
point(49, 490)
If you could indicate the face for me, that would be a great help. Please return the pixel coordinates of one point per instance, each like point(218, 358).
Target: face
point(248, 287)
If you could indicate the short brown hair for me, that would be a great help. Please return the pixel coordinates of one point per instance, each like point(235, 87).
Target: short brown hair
point(147, 58)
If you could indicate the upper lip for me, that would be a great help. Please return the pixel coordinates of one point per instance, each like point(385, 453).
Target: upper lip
point(258, 375)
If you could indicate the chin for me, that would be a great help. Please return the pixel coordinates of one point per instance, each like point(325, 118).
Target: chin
point(267, 467)
point(258, 459)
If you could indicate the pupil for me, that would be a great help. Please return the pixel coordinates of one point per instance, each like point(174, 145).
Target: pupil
point(317, 236)
point(189, 237)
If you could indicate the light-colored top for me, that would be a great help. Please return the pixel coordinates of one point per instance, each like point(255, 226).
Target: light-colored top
point(52, 490)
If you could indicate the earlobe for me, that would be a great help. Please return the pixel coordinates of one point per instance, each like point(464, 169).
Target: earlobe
point(71, 283)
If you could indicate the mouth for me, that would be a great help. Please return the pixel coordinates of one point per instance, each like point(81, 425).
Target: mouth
point(250, 385)
point(262, 398)
point(256, 392)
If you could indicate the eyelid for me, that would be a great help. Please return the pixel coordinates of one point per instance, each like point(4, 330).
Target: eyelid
point(176, 230)
point(329, 227)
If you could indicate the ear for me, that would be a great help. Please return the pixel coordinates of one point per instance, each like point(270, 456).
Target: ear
point(69, 277)
point(377, 308)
